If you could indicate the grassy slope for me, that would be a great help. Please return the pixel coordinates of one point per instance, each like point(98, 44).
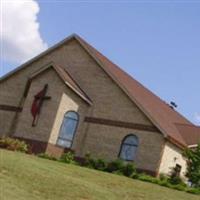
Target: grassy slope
point(25, 177)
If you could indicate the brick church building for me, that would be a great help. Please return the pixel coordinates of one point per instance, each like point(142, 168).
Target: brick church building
point(71, 97)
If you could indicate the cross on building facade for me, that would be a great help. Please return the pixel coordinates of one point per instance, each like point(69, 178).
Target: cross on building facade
point(37, 104)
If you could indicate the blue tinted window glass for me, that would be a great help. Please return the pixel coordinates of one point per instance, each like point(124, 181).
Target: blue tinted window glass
point(72, 115)
point(68, 129)
point(64, 143)
point(129, 148)
point(132, 140)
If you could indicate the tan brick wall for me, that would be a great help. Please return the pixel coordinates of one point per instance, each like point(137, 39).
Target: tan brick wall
point(6, 119)
point(105, 142)
point(52, 111)
point(172, 155)
point(109, 100)
point(11, 89)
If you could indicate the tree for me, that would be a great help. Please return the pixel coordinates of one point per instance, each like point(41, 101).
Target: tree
point(193, 169)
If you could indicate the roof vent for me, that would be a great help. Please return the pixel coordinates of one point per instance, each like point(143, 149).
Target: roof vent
point(173, 105)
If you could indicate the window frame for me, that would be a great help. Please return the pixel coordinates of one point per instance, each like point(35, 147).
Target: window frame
point(123, 142)
point(75, 130)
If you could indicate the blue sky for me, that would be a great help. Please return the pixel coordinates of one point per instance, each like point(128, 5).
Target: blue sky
point(157, 43)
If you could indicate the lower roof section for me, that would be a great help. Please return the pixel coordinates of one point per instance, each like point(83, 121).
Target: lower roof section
point(190, 133)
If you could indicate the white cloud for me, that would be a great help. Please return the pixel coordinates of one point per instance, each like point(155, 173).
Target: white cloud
point(197, 118)
point(20, 36)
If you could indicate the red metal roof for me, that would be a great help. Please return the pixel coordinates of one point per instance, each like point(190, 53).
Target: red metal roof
point(160, 113)
point(190, 133)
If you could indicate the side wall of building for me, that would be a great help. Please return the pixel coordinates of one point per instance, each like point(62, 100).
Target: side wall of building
point(172, 155)
point(105, 142)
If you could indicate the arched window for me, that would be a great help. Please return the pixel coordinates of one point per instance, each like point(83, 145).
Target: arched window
point(68, 129)
point(128, 148)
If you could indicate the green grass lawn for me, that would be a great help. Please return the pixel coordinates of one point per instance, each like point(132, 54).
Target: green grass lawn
point(25, 177)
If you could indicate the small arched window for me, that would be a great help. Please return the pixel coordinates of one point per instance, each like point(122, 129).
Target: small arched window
point(68, 129)
point(128, 148)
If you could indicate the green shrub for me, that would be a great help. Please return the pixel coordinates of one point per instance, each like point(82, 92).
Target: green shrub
point(87, 158)
point(118, 173)
point(135, 175)
point(173, 182)
point(164, 183)
point(193, 165)
point(175, 178)
point(13, 144)
point(193, 190)
point(147, 178)
point(178, 187)
point(163, 177)
point(68, 157)
point(116, 165)
point(129, 169)
point(46, 156)
point(99, 164)
point(88, 161)
point(176, 181)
